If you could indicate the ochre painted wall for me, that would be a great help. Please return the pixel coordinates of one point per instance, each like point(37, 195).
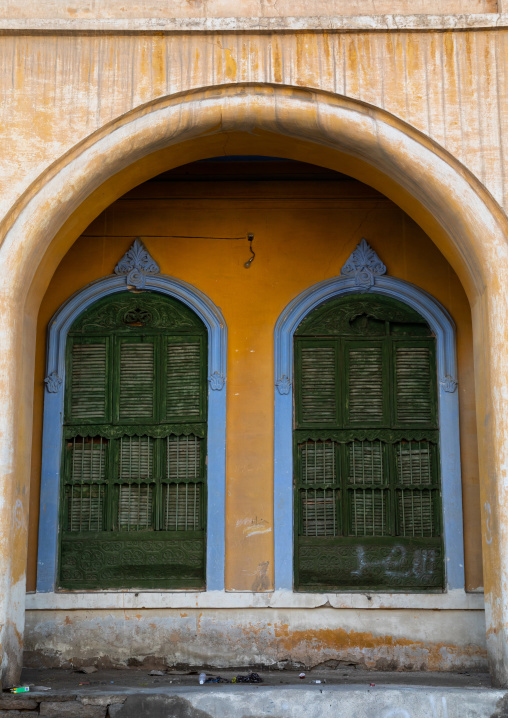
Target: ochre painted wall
point(304, 232)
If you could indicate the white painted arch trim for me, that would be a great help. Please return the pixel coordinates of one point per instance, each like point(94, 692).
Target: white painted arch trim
point(54, 410)
point(444, 328)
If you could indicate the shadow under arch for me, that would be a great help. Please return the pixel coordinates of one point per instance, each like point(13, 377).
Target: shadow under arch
point(435, 189)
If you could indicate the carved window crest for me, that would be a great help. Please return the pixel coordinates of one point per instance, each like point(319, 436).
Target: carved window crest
point(363, 265)
point(136, 265)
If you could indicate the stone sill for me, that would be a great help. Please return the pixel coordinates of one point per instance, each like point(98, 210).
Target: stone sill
point(335, 23)
point(456, 600)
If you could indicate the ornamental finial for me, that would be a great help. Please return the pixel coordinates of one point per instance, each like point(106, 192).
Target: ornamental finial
point(136, 264)
point(363, 265)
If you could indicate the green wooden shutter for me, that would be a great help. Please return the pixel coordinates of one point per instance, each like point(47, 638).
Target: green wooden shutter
point(88, 386)
point(136, 396)
point(366, 483)
point(367, 493)
point(414, 384)
point(85, 490)
point(184, 477)
point(133, 504)
point(318, 488)
point(417, 491)
point(184, 378)
point(317, 388)
point(366, 384)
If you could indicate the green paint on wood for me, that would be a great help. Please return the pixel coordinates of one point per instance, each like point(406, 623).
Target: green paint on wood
point(367, 496)
point(134, 463)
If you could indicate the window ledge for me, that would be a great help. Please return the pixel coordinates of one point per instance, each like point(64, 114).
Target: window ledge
point(456, 600)
point(338, 23)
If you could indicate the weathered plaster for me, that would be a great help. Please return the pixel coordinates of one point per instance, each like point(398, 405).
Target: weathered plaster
point(324, 22)
point(219, 638)
point(451, 205)
point(111, 9)
point(452, 86)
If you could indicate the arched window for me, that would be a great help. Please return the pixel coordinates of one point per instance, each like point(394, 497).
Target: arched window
point(133, 478)
point(366, 448)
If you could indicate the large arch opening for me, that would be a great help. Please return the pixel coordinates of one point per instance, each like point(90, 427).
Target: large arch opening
point(363, 142)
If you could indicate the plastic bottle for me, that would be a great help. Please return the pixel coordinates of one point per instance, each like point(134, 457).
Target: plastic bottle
point(202, 678)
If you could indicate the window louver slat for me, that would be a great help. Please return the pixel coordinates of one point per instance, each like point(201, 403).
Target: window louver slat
point(365, 462)
point(413, 395)
point(369, 510)
point(318, 385)
point(88, 459)
point(136, 458)
point(85, 507)
point(319, 512)
point(135, 507)
point(183, 396)
point(136, 381)
point(318, 463)
point(88, 381)
point(366, 385)
point(416, 512)
point(414, 464)
point(183, 457)
point(182, 507)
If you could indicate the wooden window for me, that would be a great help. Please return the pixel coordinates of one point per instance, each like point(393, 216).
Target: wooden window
point(134, 460)
point(367, 489)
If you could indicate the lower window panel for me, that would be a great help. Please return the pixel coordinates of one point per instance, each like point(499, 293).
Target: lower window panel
point(133, 560)
point(370, 563)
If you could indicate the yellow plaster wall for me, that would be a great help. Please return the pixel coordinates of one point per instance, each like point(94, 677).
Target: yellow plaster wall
point(304, 232)
point(57, 89)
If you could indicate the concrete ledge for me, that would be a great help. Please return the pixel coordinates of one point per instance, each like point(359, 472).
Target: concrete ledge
point(236, 701)
point(334, 23)
point(451, 601)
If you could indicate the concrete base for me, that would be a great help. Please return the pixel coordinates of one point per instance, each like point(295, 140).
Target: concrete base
point(242, 701)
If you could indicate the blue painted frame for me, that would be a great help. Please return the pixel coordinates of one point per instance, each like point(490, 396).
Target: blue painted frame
point(444, 328)
point(54, 410)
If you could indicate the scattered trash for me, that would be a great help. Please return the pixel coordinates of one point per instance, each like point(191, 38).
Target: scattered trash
point(86, 669)
point(20, 689)
point(217, 679)
point(302, 675)
point(316, 681)
point(84, 683)
point(112, 681)
point(154, 673)
point(40, 688)
point(250, 678)
point(202, 678)
point(372, 684)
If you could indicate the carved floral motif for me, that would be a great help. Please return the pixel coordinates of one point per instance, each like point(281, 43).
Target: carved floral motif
point(217, 381)
point(364, 265)
point(53, 383)
point(449, 384)
point(136, 264)
point(283, 385)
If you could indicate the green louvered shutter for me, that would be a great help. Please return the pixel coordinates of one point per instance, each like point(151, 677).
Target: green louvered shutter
point(185, 364)
point(366, 449)
point(366, 385)
point(133, 501)
point(317, 398)
point(136, 379)
point(88, 380)
point(414, 383)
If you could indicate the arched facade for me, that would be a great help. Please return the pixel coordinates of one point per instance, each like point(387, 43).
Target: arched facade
point(451, 205)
